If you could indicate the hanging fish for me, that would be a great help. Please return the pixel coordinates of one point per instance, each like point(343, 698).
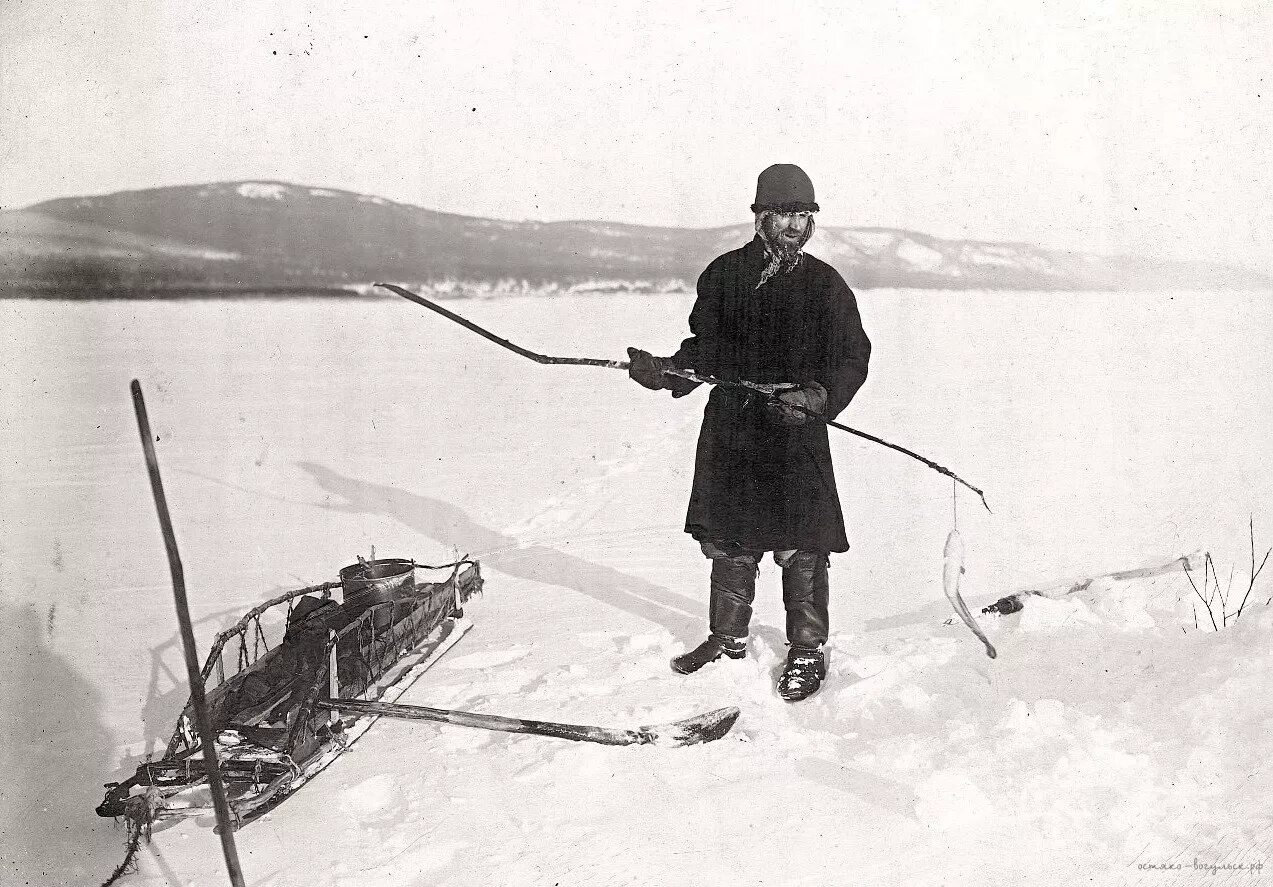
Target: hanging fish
point(952, 569)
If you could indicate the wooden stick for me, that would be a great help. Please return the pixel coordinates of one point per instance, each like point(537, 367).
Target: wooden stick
point(498, 340)
point(1013, 602)
point(763, 390)
point(333, 675)
point(197, 698)
point(690, 731)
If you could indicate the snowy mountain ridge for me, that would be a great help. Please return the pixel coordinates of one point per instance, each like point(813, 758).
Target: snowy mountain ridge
point(260, 235)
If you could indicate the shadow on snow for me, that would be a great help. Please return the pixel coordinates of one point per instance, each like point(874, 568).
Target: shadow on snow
point(55, 752)
point(452, 525)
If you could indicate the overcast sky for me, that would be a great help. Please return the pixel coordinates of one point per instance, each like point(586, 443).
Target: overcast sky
point(1109, 126)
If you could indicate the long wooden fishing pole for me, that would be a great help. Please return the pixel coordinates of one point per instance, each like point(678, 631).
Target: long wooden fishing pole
point(197, 698)
point(765, 391)
point(498, 340)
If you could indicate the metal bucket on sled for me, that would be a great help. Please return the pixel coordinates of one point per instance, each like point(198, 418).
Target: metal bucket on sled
point(382, 581)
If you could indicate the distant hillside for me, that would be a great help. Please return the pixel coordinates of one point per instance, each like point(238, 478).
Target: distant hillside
point(273, 236)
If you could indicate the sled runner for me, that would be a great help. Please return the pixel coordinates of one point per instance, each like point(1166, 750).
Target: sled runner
point(273, 703)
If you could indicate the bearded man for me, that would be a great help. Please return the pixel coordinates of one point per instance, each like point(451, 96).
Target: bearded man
point(768, 313)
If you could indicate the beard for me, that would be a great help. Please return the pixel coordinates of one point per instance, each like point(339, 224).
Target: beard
point(783, 243)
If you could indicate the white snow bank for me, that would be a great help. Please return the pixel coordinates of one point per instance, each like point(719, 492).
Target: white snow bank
point(1109, 734)
point(262, 190)
point(488, 659)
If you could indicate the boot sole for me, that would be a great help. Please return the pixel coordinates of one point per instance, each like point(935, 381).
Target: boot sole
point(679, 670)
point(808, 695)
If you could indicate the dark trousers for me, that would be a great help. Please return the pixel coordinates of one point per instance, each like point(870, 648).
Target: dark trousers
point(805, 593)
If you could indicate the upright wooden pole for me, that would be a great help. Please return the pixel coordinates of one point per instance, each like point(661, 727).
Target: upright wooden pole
point(197, 699)
point(333, 677)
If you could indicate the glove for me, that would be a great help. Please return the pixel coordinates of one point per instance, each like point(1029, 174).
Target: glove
point(647, 370)
point(812, 397)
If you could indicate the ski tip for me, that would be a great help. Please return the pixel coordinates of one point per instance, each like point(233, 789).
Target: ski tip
point(706, 727)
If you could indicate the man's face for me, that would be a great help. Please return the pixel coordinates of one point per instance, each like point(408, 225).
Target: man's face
point(787, 231)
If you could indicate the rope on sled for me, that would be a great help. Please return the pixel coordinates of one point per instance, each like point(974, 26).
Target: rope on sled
point(139, 814)
point(454, 564)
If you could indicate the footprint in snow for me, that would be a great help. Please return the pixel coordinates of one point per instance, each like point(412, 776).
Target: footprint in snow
point(374, 801)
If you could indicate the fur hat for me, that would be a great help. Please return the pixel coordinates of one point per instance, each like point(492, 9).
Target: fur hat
point(784, 187)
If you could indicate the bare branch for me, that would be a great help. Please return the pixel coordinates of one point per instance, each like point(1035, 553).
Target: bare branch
point(1189, 576)
point(1255, 571)
point(1224, 599)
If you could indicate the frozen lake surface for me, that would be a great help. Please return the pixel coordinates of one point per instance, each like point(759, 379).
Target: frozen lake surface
point(1109, 431)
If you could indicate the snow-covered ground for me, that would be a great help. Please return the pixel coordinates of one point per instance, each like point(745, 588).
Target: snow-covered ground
point(1109, 432)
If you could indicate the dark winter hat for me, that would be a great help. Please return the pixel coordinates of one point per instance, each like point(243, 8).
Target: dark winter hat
point(784, 187)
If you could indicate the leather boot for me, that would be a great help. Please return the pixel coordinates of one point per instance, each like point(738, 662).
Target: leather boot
point(803, 675)
point(729, 611)
point(806, 595)
point(710, 650)
point(733, 590)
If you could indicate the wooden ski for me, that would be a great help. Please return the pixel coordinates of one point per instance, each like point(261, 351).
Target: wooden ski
point(690, 731)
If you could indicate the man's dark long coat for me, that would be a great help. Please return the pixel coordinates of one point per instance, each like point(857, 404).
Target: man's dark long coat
point(758, 484)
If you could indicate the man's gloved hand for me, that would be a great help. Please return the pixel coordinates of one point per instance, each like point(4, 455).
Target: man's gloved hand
point(812, 397)
point(647, 370)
